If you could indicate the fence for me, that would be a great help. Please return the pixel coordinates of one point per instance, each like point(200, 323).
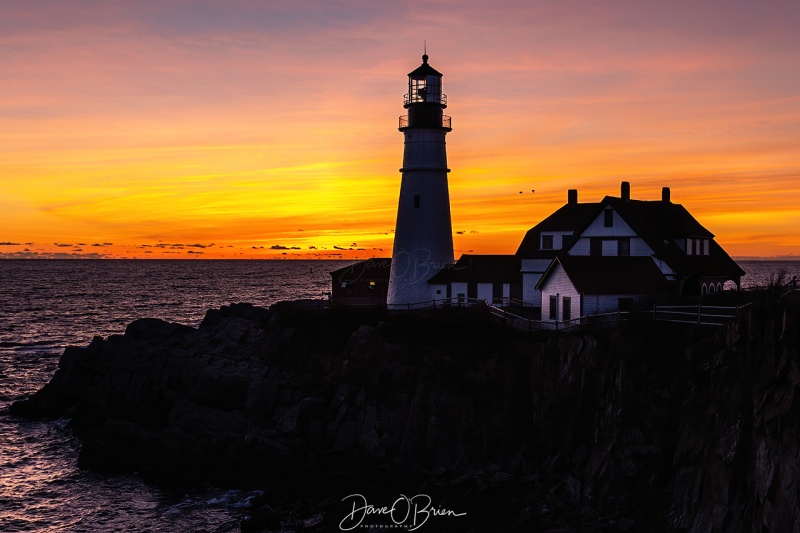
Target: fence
point(700, 315)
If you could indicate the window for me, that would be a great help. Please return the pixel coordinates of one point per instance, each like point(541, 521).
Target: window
point(567, 308)
point(416, 200)
point(624, 247)
point(608, 218)
point(595, 246)
point(554, 308)
point(698, 246)
point(689, 245)
point(547, 242)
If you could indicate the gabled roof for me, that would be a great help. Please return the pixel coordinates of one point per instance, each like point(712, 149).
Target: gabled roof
point(660, 223)
point(481, 269)
point(568, 218)
point(716, 263)
point(610, 274)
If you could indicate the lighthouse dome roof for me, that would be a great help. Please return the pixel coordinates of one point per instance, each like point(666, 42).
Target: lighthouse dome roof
point(424, 69)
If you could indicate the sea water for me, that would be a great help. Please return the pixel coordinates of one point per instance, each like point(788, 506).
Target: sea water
point(46, 305)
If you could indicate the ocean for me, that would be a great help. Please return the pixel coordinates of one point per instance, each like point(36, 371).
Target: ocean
point(46, 305)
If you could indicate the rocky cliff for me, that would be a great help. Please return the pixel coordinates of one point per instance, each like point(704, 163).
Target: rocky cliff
point(650, 427)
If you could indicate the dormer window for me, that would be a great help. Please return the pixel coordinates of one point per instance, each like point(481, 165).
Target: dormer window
point(547, 242)
point(608, 218)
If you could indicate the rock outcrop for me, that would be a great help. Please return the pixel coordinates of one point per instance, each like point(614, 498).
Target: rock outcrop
point(650, 427)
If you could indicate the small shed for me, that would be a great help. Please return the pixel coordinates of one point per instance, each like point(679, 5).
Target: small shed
point(362, 282)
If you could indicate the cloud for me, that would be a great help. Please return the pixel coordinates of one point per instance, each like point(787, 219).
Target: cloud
point(63, 245)
point(9, 244)
point(27, 254)
point(278, 247)
point(194, 252)
point(196, 246)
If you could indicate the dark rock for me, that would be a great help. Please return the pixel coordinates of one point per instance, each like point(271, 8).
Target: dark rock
point(652, 427)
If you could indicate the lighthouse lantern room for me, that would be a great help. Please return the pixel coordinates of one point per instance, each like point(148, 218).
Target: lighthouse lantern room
point(423, 241)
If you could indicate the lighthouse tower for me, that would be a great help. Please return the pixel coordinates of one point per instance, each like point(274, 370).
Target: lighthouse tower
point(423, 239)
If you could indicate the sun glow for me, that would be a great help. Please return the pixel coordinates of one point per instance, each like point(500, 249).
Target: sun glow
point(134, 131)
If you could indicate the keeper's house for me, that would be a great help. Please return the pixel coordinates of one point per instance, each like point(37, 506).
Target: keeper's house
point(586, 258)
point(627, 254)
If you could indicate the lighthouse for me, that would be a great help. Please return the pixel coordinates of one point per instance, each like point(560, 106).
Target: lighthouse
point(423, 239)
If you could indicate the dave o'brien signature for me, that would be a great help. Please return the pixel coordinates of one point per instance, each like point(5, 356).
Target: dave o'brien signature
point(412, 512)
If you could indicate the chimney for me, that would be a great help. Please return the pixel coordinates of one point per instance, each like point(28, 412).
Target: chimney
point(572, 196)
point(665, 195)
point(625, 190)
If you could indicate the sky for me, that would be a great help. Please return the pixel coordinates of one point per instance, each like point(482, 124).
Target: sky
point(268, 129)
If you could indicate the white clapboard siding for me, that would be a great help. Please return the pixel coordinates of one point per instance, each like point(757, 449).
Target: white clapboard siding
point(529, 293)
point(558, 283)
point(439, 292)
point(485, 291)
point(619, 228)
point(535, 265)
point(458, 288)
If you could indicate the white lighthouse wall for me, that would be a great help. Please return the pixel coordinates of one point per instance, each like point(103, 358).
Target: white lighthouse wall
point(423, 240)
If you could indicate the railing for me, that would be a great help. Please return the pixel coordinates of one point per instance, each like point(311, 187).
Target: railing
point(530, 325)
point(415, 99)
point(441, 303)
point(701, 315)
point(790, 287)
point(446, 122)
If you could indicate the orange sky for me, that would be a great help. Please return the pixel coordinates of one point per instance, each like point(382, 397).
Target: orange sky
point(269, 129)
